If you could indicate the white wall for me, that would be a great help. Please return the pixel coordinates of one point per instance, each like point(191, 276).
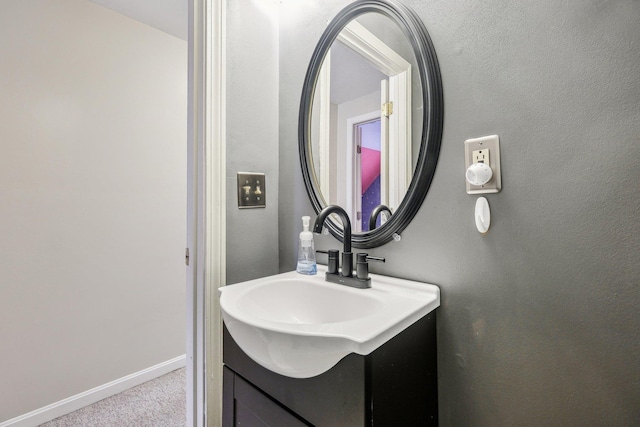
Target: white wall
point(92, 199)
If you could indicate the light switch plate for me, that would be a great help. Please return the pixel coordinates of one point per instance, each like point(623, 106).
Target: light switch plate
point(252, 190)
point(490, 147)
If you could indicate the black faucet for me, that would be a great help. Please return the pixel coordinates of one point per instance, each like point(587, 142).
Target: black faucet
point(345, 276)
point(373, 218)
point(347, 256)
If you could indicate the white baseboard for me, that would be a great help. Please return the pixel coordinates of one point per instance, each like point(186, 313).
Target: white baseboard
point(73, 403)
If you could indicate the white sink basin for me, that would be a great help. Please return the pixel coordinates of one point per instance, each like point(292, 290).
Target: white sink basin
point(301, 326)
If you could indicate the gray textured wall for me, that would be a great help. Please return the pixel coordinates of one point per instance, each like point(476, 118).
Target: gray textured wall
point(252, 136)
point(539, 320)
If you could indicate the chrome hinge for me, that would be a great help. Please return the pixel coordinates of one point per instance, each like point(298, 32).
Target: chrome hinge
point(359, 215)
point(359, 149)
point(387, 109)
point(186, 256)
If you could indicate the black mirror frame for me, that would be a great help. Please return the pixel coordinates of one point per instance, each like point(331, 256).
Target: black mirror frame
point(433, 117)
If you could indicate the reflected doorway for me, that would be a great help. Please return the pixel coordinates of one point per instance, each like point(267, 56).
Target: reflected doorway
point(368, 148)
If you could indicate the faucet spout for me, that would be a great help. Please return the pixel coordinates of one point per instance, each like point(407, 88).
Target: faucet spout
point(347, 256)
point(373, 218)
point(346, 223)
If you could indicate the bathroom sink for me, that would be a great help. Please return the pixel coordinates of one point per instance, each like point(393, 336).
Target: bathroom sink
point(301, 326)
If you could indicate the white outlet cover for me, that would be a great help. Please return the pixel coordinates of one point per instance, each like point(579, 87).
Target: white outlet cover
point(479, 174)
point(491, 143)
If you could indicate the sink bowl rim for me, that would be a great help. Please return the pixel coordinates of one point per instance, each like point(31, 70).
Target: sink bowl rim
point(402, 301)
point(296, 287)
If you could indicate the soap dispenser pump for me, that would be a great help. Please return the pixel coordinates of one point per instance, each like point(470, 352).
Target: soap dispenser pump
point(306, 250)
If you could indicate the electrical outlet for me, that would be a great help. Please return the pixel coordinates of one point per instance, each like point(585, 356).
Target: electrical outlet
point(484, 150)
point(480, 156)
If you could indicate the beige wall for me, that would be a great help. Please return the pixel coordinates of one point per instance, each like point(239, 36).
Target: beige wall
point(92, 199)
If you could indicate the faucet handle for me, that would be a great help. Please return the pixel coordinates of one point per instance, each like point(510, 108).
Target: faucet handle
point(332, 264)
point(362, 265)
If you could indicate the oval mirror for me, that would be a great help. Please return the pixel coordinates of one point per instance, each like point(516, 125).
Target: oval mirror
point(370, 122)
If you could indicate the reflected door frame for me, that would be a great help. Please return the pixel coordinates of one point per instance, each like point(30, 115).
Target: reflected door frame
point(353, 172)
point(397, 167)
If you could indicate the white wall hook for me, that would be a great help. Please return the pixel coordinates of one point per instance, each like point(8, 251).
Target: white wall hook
point(482, 215)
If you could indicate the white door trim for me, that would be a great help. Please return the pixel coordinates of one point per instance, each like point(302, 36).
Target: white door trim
point(324, 131)
point(398, 69)
point(352, 173)
point(374, 50)
point(206, 205)
point(398, 167)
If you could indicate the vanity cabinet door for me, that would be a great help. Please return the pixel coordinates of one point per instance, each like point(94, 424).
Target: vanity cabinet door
point(394, 386)
point(245, 405)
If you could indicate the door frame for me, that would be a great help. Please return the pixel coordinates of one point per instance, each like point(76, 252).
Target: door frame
point(351, 175)
point(206, 210)
point(398, 168)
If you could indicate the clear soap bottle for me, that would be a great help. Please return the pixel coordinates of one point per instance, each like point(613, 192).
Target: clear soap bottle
point(306, 250)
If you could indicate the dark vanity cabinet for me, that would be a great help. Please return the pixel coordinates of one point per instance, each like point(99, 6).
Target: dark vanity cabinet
point(395, 385)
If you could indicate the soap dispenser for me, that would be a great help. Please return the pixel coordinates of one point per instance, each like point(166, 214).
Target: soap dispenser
point(306, 251)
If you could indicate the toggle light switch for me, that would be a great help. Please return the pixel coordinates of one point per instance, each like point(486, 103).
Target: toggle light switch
point(251, 190)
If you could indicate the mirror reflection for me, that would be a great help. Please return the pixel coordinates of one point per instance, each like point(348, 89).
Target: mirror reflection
point(366, 120)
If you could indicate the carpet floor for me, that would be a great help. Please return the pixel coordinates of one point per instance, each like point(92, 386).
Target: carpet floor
point(160, 402)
